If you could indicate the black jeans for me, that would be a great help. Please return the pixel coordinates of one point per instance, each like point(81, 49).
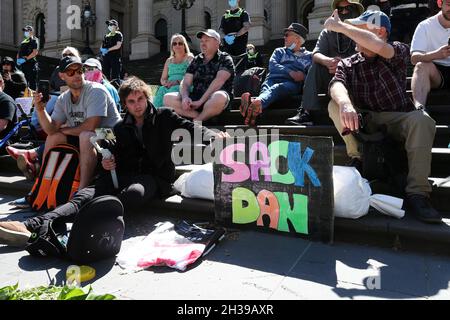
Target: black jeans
point(134, 191)
point(112, 66)
point(30, 70)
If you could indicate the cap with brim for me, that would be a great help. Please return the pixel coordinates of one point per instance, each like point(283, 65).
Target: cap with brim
point(28, 28)
point(298, 29)
point(377, 19)
point(210, 33)
point(355, 2)
point(68, 61)
point(92, 62)
point(112, 23)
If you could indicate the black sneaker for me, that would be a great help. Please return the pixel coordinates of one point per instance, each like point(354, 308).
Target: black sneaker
point(420, 207)
point(302, 118)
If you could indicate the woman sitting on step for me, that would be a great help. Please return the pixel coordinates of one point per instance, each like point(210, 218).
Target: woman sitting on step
point(174, 68)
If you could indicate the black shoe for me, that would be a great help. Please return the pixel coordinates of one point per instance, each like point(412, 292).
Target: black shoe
point(302, 118)
point(357, 163)
point(420, 207)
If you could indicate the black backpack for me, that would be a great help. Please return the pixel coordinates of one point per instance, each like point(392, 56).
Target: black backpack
point(384, 159)
point(250, 80)
point(96, 233)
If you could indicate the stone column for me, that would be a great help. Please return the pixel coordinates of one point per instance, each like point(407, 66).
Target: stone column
point(321, 11)
point(145, 44)
point(51, 29)
point(279, 18)
point(195, 21)
point(255, 9)
point(18, 22)
point(7, 24)
point(70, 31)
point(102, 12)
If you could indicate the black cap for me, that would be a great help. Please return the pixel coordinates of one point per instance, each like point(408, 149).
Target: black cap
point(8, 60)
point(112, 22)
point(28, 28)
point(66, 62)
point(298, 29)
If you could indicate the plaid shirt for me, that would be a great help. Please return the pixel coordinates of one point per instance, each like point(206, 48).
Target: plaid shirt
point(377, 84)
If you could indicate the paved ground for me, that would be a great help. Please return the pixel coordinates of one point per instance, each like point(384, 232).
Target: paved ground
point(250, 265)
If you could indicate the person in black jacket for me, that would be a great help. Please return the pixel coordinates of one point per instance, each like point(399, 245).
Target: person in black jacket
point(142, 160)
point(111, 51)
point(15, 82)
point(26, 57)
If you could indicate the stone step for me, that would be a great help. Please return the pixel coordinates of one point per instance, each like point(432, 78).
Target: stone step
point(278, 116)
point(441, 140)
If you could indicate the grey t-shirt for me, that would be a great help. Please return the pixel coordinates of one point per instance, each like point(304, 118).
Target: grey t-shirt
point(94, 101)
point(332, 44)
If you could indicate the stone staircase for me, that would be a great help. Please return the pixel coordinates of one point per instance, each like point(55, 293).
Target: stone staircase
point(373, 228)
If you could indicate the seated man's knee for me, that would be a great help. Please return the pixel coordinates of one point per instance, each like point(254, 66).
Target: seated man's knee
point(220, 99)
point(85, 137)
point(133, 196)
point(170, 99)
point(423, 68)
point(55, 138)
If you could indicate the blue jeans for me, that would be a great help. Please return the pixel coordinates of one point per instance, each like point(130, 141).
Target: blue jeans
point(272, 91)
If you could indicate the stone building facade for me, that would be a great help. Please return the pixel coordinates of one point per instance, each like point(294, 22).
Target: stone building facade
point(147, 24)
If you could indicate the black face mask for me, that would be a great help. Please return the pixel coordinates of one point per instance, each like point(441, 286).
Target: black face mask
point(352, 13)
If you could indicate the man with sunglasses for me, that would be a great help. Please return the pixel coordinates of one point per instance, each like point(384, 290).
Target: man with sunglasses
point(330, 48)
point(288, 67)
point(373, 82)
point(83, 108)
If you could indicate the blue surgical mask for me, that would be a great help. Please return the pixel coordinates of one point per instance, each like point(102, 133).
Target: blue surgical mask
point(292, 46)
point(232, 3)
point(26, 34)
point(111, 28)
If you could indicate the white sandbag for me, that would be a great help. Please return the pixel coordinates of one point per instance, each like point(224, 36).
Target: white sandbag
point(351, 193)
point(388, 205)
point(199, 183)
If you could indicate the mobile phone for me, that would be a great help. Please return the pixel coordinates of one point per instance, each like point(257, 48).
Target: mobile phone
point(449, 41)
point(44, 89)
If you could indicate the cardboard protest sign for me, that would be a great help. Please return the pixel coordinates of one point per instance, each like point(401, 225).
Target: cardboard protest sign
point(282, 183)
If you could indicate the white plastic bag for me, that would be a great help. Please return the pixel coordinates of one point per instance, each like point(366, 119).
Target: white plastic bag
point(388, 205)
point(197, 184)
point(351, 193)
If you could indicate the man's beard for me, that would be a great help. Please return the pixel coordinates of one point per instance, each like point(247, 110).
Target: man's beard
point(446, 16)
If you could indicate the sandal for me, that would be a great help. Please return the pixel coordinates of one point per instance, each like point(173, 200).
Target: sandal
point(246, 100)
point(253, 112)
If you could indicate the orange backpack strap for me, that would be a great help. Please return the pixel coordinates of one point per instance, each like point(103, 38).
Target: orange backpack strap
point(76, 182)
point(46, 181)
point(51, 199)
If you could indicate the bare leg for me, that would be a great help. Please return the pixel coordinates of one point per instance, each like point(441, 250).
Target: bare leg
point(173, 100)
point(88, 159)
point(426, 77)
point(214, 106)
point(52, 140)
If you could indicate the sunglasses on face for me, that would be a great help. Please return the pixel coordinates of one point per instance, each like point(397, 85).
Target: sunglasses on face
point(177, 44)
point(71, 72)
point(344, 8)
point(68, 55)
point(287, 34)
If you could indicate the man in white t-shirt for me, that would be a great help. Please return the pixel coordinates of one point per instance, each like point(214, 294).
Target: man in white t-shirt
point(430, 53)
point(82, 109)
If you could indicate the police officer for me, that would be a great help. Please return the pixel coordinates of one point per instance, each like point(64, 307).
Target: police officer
point(26, 56)
point(235, 25)
point(111, 51)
